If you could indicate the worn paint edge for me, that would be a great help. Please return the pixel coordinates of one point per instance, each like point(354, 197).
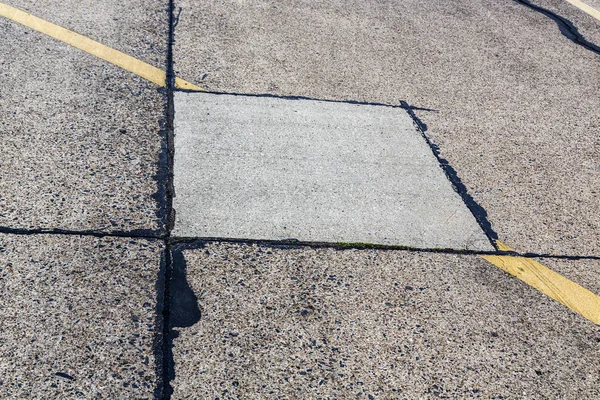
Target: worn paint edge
point(120, 59)
point(585, 8)
point(551, 283)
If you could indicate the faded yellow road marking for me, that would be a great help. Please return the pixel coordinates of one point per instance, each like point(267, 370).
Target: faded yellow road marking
point(586, 8)
point(552, 284)
point(81, 42)
point(529, 271)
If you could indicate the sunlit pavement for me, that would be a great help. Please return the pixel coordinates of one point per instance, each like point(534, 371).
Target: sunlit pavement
point(119, 279)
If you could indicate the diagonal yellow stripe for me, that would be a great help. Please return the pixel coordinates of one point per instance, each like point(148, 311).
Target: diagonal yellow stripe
point(552, 284)
point(181, 84)
point(529, 271)
point(90, 46)
point(586, 8)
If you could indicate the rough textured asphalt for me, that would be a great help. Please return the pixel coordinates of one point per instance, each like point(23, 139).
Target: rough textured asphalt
point(78, 317)
point(315, 323)
point(516, 102)
point(513, 107)
point(81, 138)
point(584, 23)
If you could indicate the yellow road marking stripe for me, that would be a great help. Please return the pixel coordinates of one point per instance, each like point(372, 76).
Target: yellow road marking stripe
point(552, 284)
point(90, 46)
point(181, 84)
point(586, 8)
point(529, 271)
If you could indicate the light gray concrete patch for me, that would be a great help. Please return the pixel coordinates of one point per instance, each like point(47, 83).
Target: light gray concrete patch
point(80, 137)
point(516, 102)
point(270, 168)
point(321, 323)
point(78, 317)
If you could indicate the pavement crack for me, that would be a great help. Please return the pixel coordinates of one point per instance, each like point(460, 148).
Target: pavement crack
point(284, 97)
point(181, 310)
point(478, 211)
point(565, 26)
point(134, 234)
point(177, 18)
point(198, 242)
point(166, 368)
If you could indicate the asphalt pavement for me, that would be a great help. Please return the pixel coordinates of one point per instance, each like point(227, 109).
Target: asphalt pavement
point(142, 244)
point(81, 137)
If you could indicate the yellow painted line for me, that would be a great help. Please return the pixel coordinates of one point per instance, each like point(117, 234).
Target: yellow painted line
point(90, 46)
point(529, 271)
point(552, 284)
point(181, 84)
point(586, 8)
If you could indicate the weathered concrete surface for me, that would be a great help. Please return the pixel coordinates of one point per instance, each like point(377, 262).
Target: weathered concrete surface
point(80, 137)
point(135, 27)
point(586, 25)
point(78, 317)
point(516, 101)
point(585, 273)
point(268, 168)
point(593, 3)
point(387, 324)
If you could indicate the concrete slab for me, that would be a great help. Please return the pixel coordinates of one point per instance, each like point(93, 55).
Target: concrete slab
point(270, 168)
point(515, 101)
point(79, 317)
point(324, 323)
point(80, 138)
point(135, 27)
